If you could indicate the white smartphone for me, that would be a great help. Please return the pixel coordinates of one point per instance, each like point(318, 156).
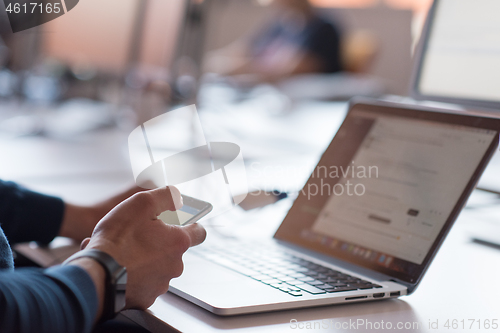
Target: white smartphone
point(192, 210)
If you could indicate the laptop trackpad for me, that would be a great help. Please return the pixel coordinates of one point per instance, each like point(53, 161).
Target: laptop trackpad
point(220, 287)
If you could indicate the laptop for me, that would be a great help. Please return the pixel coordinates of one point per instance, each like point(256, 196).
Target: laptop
point(457, 62)
point(367, 223)
point(457, 59)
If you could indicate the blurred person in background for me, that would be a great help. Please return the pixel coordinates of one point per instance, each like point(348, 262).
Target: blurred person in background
point(297, 40)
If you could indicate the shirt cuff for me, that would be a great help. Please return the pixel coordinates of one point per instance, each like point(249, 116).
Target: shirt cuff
point(79, 282)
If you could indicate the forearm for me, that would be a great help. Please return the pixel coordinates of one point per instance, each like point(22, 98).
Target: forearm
point(79, 221)
point(59, 299)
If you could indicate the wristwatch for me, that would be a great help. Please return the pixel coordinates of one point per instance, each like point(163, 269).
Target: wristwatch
point(116, 280)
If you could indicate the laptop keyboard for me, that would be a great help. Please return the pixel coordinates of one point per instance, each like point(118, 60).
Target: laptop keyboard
point(281, 270)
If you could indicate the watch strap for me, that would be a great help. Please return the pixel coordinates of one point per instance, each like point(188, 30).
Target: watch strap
point(116, 279)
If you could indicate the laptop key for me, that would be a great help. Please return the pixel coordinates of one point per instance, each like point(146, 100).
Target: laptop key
point(311, 289)
point(361, 285)
point(277, 276)
point(295, 293)
point(295, 282)
point(306, 279)
point(366, 287)
point(315, 282)
point(286, 278)
point(346, 280)
point(269, 271)
point(297, 275)
point(339, 289)
point(322, 269)
point(316, 275)
point(324, 286)
point(288, 272)
point(260, 277)
point(236, 267)
point(293, 288)
point(301, 269)
point(310, 266)
point(270, 281)
point(328, 280)
point(288, 263)
point(277, 285)
point(332, 272)
point(313, 274)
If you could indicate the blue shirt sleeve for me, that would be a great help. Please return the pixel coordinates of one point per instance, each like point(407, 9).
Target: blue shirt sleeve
point(58, 299)
point(29, 216)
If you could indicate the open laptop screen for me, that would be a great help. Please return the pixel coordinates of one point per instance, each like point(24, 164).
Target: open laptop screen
point(458, 59)
point(386, 187)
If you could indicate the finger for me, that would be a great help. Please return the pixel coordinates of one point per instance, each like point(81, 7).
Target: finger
point(153, 203)
point(196, 233)
point(167, 198)
point(84, 243)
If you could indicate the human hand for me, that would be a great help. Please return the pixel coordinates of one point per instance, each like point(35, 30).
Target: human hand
point(150, 249)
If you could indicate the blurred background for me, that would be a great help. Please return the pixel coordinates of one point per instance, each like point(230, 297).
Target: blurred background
point(272, 76)
point(104, 47)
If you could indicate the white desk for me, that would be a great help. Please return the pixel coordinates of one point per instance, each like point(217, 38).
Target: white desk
point(461, 284)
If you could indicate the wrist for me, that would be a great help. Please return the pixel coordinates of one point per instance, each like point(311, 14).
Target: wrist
point(115, 281)
point(98, 276)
